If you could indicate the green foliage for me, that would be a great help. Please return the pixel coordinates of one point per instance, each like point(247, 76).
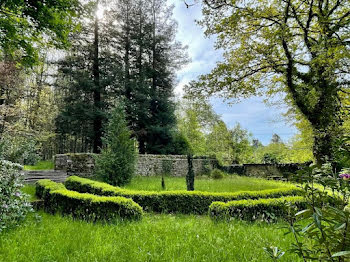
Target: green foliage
point(297, 150)
point(27, 25)
point(19, 149)
point(116, 163)
point(85, 206)
point(269, 158)
point(217, 174)
point(342, 155)
point(179, 145)
point(190, 128)
point(321, 229)
point(294, 47)
point(166, 166)
point(44, 187)
point(207, 134)
point(14, 204)
point(187, 202)
point(258, 209)
point(274, 253)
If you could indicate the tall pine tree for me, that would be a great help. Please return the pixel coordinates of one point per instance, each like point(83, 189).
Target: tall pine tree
point(130, 54)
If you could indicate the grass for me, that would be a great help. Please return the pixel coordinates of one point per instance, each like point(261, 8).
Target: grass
point(158, 237)
point(41, 165)
point(30, 190)
point(155, 238)
point(231, 183)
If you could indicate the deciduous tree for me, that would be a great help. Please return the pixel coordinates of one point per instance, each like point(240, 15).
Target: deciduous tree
point(293, 46)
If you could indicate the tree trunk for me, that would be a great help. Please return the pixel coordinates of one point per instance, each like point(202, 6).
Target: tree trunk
point(97, 123)
point(127, 64)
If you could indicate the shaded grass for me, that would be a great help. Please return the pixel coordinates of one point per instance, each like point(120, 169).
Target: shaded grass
point(41, 165)
point(155, 238)
point(30, 190)
point(231, 183)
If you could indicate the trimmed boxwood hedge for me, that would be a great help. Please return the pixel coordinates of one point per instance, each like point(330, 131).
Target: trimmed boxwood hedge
point(186, 202)
point(265, 209)
point(85, 206)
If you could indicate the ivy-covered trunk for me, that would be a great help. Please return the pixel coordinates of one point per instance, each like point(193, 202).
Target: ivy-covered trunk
point(323, 148)
point(326, 122)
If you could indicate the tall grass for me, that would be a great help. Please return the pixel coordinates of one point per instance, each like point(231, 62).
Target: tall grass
point(155, 238)
point(232, 183)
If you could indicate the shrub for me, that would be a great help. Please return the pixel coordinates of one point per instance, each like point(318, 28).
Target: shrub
point(321, 230)
point(265, 209)
point(187, 202)
point(14, 205)
point(116, 163)
point(44, 187)
point(217, 174)
point(85, 206)
point(19, 150)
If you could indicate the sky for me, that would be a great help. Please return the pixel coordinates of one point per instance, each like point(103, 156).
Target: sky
point(253, 114)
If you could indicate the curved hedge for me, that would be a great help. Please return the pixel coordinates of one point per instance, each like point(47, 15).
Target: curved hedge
point(254, 209)
point(85, 206)
point(187, 202)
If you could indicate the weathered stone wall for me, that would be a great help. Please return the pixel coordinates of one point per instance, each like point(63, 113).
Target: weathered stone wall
point(265, 170)
point(76, 164)
point(147, 165)
point(175, 165)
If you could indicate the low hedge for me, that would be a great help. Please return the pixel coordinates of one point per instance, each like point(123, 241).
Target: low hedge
point(85, 206)
point(187, 202)
point(264, 209)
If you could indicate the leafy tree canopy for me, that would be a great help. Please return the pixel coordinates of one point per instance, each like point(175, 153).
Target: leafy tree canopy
point(25, 25)
point(293, 46)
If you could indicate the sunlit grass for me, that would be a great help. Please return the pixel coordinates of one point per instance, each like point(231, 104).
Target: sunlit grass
point(155, 238)
point(41, 165)
point(158, 237)
point(231, 183)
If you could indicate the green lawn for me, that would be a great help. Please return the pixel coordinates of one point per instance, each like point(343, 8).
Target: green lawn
point(232, 183)
point(158, 237)
point(30, 190)
point(155, 238)
point(41, 165)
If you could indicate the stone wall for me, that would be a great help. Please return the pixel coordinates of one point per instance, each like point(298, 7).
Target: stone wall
point(175, 165)
point(147, 165)
point(266, 170)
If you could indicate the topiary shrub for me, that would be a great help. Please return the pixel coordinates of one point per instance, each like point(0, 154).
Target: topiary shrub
point(216, 174)
point(116, 163)
point(257, 209)
point(85, 206)
point(14, 205)
point(190, 173)
point(180, 201)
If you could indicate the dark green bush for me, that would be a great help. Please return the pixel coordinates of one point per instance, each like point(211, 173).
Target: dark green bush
point(85, 206)
point(262, 209)
point(217, 174)
point(187, 202)
point(116, 163)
